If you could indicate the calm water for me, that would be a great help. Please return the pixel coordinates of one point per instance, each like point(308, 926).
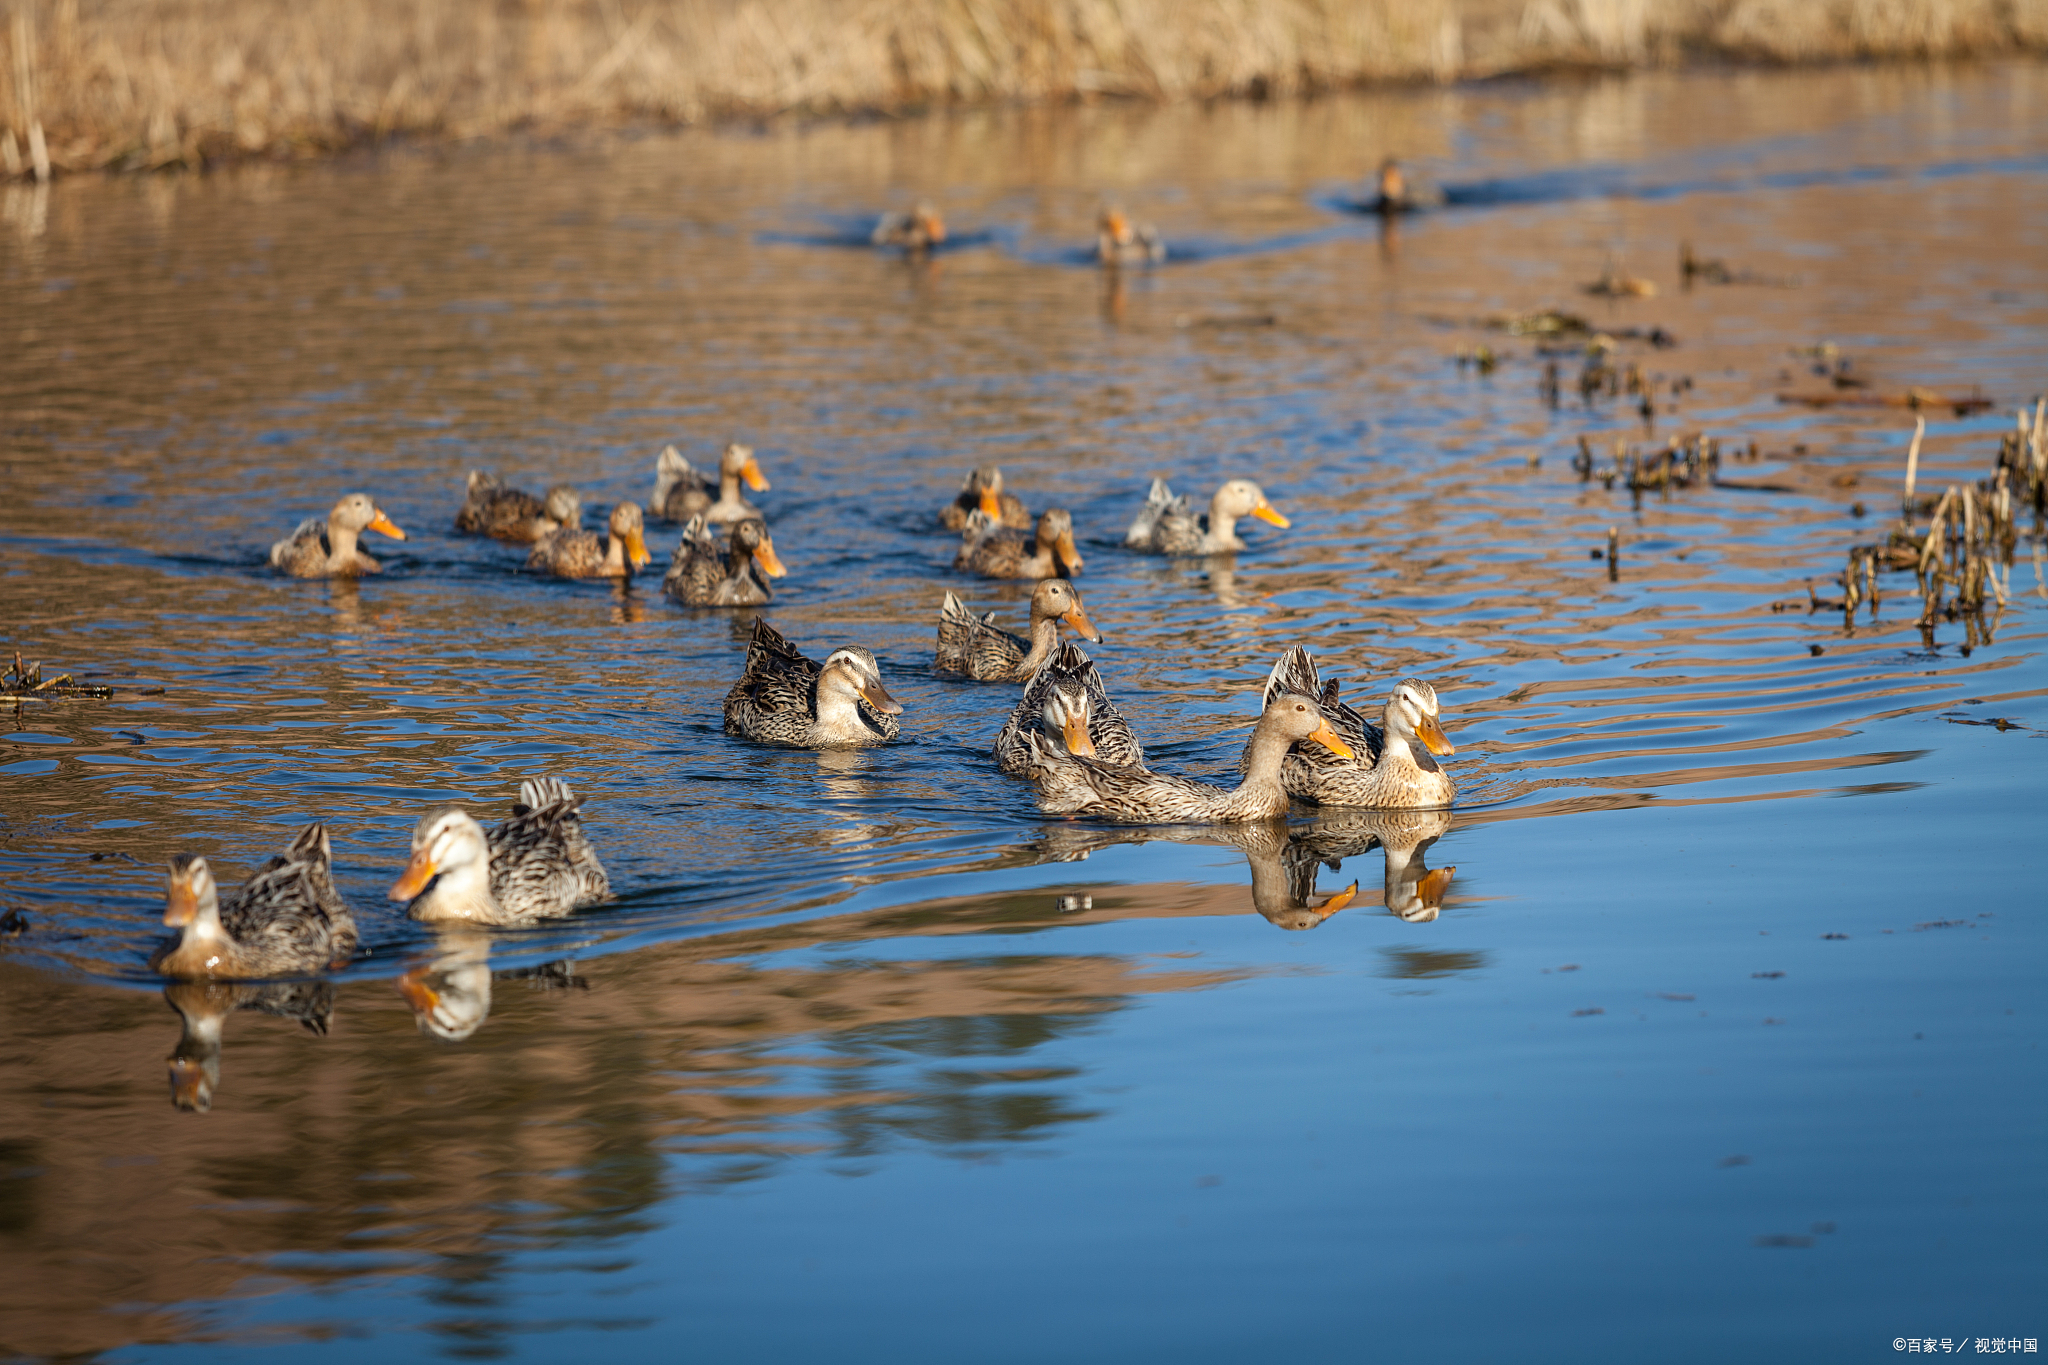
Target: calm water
point(1725, 1040)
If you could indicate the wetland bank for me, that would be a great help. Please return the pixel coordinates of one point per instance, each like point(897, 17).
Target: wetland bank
point(1707, 1023)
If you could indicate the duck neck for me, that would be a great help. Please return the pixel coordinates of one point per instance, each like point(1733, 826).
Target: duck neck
point(729, 488)
point(1400, 753)
point(1045, 638)
point(203, 942)
point(838, 709)
point(1262, 761)
point(614, 555)
point(460, 892)
point(341, 542)
point(737, 560)
point(1222, 527)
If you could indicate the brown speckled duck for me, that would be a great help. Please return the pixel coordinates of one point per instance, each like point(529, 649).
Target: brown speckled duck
point(912, 233)
point(1072, 785)
point(585, 554)
point(703, 573)
point(1165, 525)
point(537, 864)
point(985, 652)
point(1067, 699)
point(491, 509)
point(1118, 241)
point(286, 920)
point(1392, 765)
point(984, 490)
point(680, 492)
point(327, 549)
point(784, 699)
point(1003, 552)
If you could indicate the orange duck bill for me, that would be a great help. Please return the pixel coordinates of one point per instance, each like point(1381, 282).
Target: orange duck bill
point(384, 525)
point(423, 998)
point(1266, 512)
point(1329, 739)
point(419, 870)
point(992, 503)
point(1432, 736)
point(770, 563)
point(1338, 901)
point(1074, 729)
point(636, 549)
point(1078, 619)
point(751, 472)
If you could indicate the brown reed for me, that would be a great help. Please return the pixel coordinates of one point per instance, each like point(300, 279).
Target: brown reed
point(138, 84)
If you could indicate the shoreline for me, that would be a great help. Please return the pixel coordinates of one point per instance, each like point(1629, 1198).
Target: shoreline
point(140, 85)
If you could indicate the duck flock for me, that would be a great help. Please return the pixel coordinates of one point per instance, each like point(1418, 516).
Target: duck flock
point(1064, 735)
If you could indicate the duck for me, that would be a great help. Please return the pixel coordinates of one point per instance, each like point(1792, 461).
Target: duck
point(784, 699)
point(1281, 893)
point(1393, 765)
point(985, 652)
point(681, 492)
point(1002, 551)
point(537, 864)
point(914, 233)
point(1616, 283)
point(327, 549)
point(1394, 195)
point(1067, 698)
point(984, 489)
point(1069, 784)
point(1119, 242)
point(491, 509)
point(1166, 526)
point(585, 554)
point(702, 574)
point(203, 1008)
point(286, 920)
point(1412, 890)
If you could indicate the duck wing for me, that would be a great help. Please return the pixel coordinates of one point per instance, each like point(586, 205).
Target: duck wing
point(280, 919)
point(1070, 785)
point(541, 864)
point(775, 688)
point(680, 490)
point(567, 554)
point(1160, 505)
point(303, 553)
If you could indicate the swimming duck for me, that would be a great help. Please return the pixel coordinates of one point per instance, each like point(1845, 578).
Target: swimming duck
point(680, 492)
point(1072, 785)
point(535, 865)
point(984, 489)
point(1392, 766)
point(491, 509)
point(203, 1008)
point(1166, 526)
point(915, 232)
point(327, 549)
point(1067, 698)
point(585, 554)
point(1002, 551)
point(985, 652)
point(1119, 242)
point(286, 920)
point(703, 574)
point(785, 699)
point(1394, 195)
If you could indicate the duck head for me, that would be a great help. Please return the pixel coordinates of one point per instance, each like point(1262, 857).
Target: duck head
point(1298, 718)
point(1412, 713)
point(854, 669)
point(1243, 498)
point(739, 462)
point(1065, 714)
point(565, 506)
point(627, 526)
point(1057, 599)
point(751, 536)
point(986, 483)
point(357, 513)
point(1056, 528)
point(447, 842)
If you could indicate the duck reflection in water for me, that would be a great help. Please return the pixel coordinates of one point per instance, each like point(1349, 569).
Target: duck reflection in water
point(1413, 891)
point(450, 997)
point(203, 1008)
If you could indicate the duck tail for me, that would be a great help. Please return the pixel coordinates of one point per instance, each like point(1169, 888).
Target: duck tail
point(1159, 500)
point(544, 793)
point(670, 469)
point(312, 845)
point(954, 610)
point(1295, 672)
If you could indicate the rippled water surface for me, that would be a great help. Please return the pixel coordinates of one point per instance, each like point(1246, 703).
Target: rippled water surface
point(1724, 1038)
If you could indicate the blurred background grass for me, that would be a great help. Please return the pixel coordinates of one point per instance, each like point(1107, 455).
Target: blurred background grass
point(142, 84)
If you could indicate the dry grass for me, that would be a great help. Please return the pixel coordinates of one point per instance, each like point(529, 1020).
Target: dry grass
point(88, 84)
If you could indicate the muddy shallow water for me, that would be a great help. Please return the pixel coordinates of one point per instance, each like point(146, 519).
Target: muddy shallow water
point(1725, 1032)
